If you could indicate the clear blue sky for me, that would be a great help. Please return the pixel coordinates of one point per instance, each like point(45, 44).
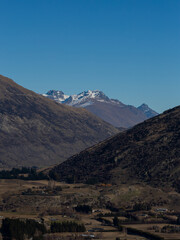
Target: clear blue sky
point(129, 49)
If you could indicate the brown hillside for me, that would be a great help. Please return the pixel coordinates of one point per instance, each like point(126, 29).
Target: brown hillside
point(149, 152)
point(37, 131)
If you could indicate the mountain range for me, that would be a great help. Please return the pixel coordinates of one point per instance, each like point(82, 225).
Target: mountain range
point(147, 153)
point(110, 110)
point(35, 131)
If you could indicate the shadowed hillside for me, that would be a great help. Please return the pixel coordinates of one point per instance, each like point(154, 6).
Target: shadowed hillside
point(149, 152)
point(37, 131)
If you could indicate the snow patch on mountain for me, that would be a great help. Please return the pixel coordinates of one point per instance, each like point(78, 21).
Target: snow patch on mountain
point(86, 96)
point(82, 99)
point(58, 96)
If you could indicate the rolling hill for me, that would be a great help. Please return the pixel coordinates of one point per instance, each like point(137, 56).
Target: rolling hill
point(148, 153)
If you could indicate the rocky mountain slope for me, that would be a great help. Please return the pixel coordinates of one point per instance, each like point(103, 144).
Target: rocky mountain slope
point(110, 110)
point(147, 111)
point(148, 153)
point(37, 131)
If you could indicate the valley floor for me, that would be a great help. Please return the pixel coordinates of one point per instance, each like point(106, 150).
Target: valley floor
point(137, 207)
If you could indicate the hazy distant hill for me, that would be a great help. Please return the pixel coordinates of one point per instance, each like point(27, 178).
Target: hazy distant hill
point(149, 152)
point(110, 110)
point(35, 130)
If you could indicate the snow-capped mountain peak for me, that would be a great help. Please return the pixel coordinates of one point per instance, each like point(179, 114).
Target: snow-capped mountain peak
point(56, 95)
point(82, 99)
point(87, 97)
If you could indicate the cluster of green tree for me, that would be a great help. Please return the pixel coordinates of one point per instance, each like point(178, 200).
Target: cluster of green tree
point(117, 224)
point(142, 206)
point(57, 188)
point(113, 214)
point(176, 185)
point(170, 229)
point(105, 221)
point(178, 220)
point(67, 227)
point(22, 173)
point(144, 234)
point(19, 229)
point(92, 181)
point(111, 207)
point(84, 209)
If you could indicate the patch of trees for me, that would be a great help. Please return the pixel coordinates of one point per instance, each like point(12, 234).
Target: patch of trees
point(178, 220)
point(67, 227)
point(117, 224)
point(104, 221)
point(144, 234)
point(170, 229)
point(26, 229)
point(142, 206)
point(92, 181)
point(115, 221)
point(23, 173)
point(84, 209)
point(57, 188)
point(113, 214)
point(112, 208)
point(19, 229)
point(176, 185)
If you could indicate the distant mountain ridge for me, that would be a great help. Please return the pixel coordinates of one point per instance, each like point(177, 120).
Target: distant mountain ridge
point(110, 110)
point(79, 99)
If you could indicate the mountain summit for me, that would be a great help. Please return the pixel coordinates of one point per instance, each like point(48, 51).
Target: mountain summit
point(147, 110)
point(58, 96)
point(110, 110)
point(86, 97)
